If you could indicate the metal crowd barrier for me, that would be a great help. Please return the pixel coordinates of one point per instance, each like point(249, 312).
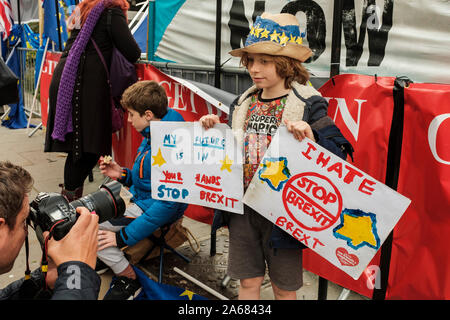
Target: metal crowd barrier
point(233, 80)
point(27, 62)
point(27, 67)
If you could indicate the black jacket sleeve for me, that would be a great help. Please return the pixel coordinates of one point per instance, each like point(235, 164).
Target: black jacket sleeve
point(122, 37)
point(76, 281)
point(24, 289)
point(326, 133)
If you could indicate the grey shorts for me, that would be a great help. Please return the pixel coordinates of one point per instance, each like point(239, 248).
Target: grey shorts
point(249, 252)
point(113, 256)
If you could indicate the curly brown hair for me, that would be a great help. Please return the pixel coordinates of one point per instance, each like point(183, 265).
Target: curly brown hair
point(15, 184)
point(287, 68)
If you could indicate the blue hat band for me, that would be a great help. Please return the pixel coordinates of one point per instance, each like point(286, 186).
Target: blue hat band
point(268, 30)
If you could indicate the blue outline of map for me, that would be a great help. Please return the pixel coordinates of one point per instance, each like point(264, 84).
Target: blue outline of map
point(358, 213)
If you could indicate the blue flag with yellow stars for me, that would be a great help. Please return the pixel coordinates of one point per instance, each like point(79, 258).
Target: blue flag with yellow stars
point(16, 118)
point(32, 38)
point(51, 23)
point(152, 290)
point(71, 4)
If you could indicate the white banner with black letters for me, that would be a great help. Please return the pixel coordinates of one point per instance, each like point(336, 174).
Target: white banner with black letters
point(383, 37)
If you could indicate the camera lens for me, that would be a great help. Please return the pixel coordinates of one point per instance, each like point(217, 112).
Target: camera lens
point(106, 202)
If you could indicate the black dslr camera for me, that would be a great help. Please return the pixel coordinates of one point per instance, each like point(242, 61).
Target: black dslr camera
point(52, 212)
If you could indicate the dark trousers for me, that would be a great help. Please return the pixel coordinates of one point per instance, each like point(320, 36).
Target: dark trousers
point(75, 172)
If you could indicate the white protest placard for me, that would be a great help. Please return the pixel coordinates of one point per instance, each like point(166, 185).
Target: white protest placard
point(332, 207)
point(196, 166)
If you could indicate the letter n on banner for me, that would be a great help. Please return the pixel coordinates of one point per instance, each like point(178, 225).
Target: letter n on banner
point(362, 108)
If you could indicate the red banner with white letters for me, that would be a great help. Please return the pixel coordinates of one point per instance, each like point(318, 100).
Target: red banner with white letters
point(362, 108)
point(191, 107)
point(51, 60)
point(420, 258)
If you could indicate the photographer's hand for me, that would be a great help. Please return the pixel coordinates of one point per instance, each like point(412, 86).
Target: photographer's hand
point(112, 169)
point(52, 274)
point(80, 244)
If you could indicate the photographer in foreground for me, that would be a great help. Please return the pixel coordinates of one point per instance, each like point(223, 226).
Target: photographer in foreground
point(73, 257)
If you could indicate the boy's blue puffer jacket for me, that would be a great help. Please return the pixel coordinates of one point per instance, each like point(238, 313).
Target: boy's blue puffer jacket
point(156, 212)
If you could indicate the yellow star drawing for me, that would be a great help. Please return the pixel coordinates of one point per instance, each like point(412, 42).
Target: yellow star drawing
point(258, 31)
point(273, 171)
point(188, 293)
point(265, 33)
point(283, 39)
point(299, 40)
point(358, 229)
point(292, 39)
point(252, 31)
point(274, 36)
point(226, 164)
point(159, 160)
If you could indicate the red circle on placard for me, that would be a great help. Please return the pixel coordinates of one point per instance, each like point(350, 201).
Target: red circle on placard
point(332, 216)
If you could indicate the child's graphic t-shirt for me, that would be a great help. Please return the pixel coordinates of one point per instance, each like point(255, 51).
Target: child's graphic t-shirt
point(263, 120)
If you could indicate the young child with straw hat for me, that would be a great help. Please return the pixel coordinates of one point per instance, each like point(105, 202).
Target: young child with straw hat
point(273, 55)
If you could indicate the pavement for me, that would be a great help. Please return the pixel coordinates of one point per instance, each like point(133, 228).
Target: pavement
point(47, 171)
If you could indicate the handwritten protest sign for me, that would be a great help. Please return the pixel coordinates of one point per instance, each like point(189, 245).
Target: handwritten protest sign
point(196, 166)
point(332, 207)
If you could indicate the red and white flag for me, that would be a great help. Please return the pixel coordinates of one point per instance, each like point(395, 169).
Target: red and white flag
point(6, 20)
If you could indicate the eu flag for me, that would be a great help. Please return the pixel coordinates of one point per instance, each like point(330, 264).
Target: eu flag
point(152, 290)
point(16, 116)
point(71, 4)
point(51, 7)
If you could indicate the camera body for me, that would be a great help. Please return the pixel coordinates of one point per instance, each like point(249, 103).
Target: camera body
point(52, 212)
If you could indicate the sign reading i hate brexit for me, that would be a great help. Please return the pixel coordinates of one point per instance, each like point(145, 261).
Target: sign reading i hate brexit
point(196, 166)
point(329, 205)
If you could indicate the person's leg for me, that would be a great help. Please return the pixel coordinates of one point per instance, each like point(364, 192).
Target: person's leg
point(281, 294)
point(125, 286)
point(285, 265)
point(113, 256)
point(245, 256)
point(250, 288)
point(75, 172)
point(285, 272)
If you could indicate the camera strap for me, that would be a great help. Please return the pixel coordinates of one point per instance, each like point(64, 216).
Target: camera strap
point(44, 263)
point(31, 289)
point(44, 260)
point(27, 253)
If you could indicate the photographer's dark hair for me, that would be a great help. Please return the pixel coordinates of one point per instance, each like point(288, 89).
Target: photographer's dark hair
point(146, 95)
point(15, 184)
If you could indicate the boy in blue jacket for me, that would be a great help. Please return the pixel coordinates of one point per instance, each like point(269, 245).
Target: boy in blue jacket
point(145, 101)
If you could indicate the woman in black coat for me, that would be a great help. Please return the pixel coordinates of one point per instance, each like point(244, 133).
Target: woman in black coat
point(91, 108)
